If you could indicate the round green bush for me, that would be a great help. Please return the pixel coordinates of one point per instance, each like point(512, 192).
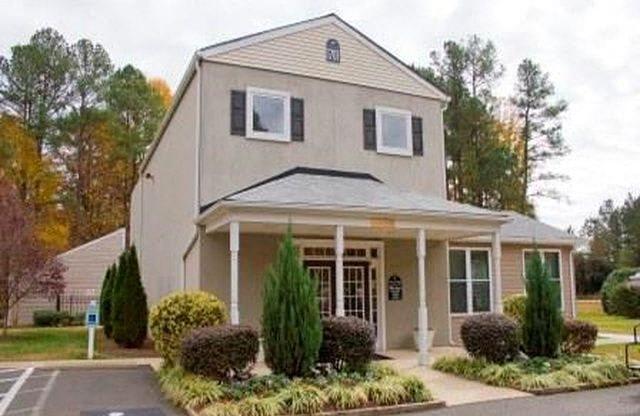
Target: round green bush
point(224, 352)
point(491, 336)
point(514, 307)
point(177, 314)
point(615, 278)
point(624, 301)
point(348, 343)
point(578, 337)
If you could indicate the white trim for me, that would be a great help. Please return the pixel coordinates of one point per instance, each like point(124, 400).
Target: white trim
point(96, 241)
point(469, 280)
point(285, 136)
point(198, 138)
point(572, 278)
point(521, 240)
point(320, 21)
point(380, 147)
point(542, 251)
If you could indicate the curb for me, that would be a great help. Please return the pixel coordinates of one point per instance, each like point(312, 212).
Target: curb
point(372, 411)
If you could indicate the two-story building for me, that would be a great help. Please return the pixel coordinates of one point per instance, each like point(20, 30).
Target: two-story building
point(315, 126)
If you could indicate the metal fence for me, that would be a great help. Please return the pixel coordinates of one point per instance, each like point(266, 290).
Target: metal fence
point(73, 303)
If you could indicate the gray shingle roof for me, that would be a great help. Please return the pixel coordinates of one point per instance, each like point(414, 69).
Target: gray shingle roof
point(522, 227)
point(321, 188)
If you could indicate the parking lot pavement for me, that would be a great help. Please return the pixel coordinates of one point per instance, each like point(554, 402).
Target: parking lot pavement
point(82, 392)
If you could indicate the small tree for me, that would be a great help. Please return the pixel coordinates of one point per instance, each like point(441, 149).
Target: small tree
point(26, 267)
point(542, 323)
point(106, 299)
point(130, 313)
point(291, 324)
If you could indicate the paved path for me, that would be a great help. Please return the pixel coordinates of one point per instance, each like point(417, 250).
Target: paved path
point(618, 401)
point(611, 338)
point(129, 391)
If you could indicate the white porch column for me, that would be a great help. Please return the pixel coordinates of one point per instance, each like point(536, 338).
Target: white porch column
point(421, 251)
point(234, 247)
point(496, 260)
point(339, 249)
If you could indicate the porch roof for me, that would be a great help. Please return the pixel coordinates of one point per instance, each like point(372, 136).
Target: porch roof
point(321, 197)
point(318, 188)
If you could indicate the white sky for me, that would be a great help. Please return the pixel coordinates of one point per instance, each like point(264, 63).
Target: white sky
point(590, 48)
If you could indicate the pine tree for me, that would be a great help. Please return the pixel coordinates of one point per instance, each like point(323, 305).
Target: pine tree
point(542, 323)
point(130, 313)
point(291, 324)
point(117, 296)
point(105, 300)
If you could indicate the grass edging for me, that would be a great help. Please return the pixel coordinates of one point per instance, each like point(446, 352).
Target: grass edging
point(542, 376)
point(371, 411)
point(583, 387)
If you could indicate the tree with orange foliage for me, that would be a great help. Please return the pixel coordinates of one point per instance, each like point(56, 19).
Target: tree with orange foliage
point(27, 267)
point(161, 88)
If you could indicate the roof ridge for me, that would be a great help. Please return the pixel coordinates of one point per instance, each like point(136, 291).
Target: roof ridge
point(298, 170)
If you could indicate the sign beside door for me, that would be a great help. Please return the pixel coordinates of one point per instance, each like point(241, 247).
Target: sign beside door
point(394, 288)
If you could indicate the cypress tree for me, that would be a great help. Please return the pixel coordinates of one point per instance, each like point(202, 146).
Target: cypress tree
point(105, 300)
point(542, 323)
point(118, 297)
point(130, 325)
point(291, 324)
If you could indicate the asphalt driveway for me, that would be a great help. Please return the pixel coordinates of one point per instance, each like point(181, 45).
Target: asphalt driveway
point(616, 401)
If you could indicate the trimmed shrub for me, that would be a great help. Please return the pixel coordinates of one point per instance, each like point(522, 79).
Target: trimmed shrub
point(514, 307)
point(129, 304)
point(614, 279)
point(224, 352)
point(177, 314)
point(578, 337)
point(625, 301)
point(51, 318)
point(490, 336)
point(106, 299)
point(542, 323)
point(348, 343)
point(291, 325)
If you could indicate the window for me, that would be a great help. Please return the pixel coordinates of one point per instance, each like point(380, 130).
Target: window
point(469, 280)
point(551, 260)
point(268, 115)
point(393, 131)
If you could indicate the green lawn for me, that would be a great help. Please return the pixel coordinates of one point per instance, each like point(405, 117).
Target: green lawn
point(617, 350)
point(36, 344)
point(591, 311)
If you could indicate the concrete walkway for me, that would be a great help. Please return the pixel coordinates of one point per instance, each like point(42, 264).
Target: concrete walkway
point(453, 390)
point(605, 338)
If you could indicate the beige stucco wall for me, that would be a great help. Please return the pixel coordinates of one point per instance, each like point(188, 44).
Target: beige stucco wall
point(333, 134)
point(258, 251)
point(512, 281)
point(163, 205)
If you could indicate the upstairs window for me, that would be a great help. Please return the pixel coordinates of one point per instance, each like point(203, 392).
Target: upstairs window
point(269, 114)
point(393, 131)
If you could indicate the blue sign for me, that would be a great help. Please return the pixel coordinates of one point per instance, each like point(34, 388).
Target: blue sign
point(92, 317)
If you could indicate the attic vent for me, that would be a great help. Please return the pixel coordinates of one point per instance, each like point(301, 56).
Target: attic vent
point(333, 51)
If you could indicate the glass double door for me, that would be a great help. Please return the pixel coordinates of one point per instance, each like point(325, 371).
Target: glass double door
point(356, 287)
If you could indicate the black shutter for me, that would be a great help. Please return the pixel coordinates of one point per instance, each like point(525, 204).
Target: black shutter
point(297, 119)
point(369, 123)
point(238, 112)
point(416, 133)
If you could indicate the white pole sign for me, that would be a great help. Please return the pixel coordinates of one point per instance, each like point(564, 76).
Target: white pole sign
point(92, 320)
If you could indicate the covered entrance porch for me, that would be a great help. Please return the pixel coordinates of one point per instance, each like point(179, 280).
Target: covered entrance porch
point(385, 264)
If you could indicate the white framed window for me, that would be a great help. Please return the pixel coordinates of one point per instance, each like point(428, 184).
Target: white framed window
point(470, 285)
point(268, 114)
point(552, 260)
point(393, 131)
